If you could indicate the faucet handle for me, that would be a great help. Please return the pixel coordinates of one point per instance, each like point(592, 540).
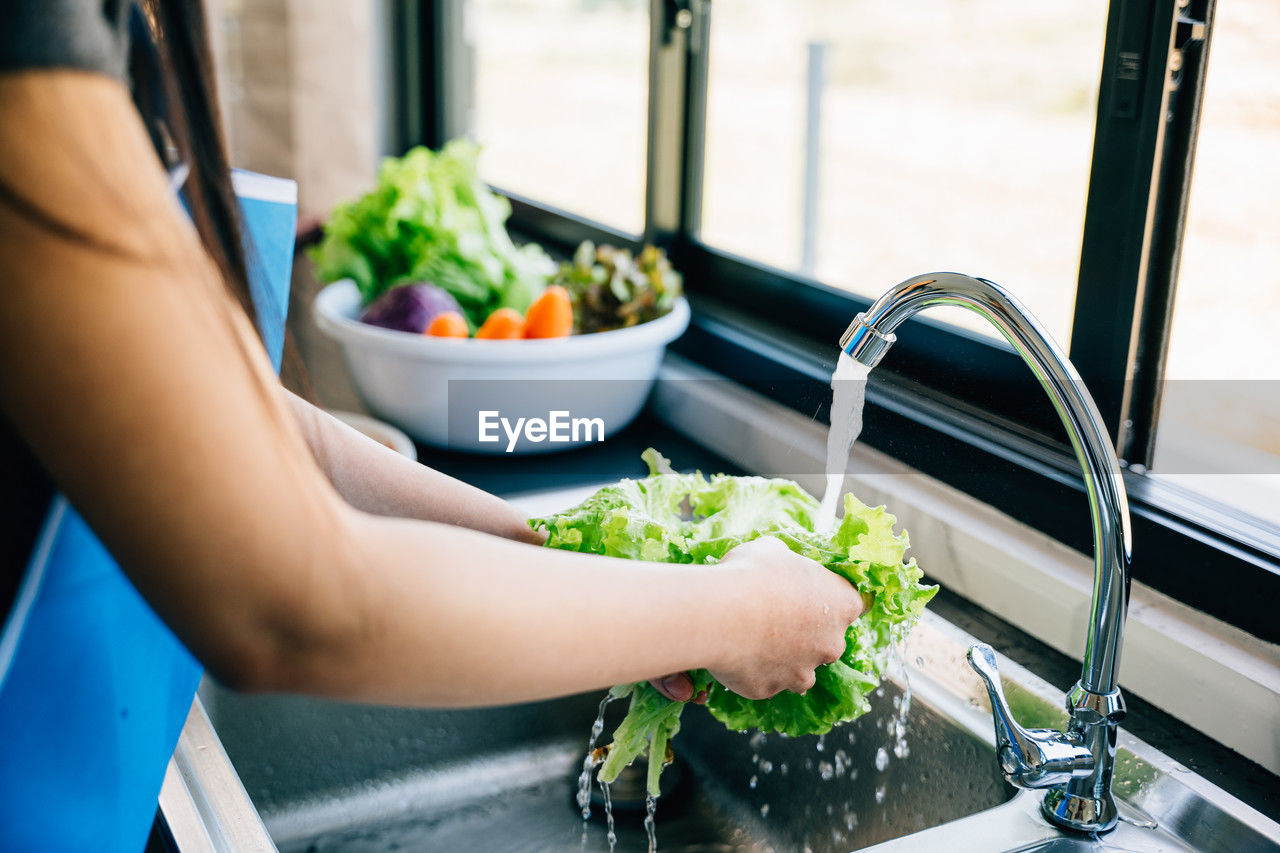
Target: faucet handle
point(1029, 758)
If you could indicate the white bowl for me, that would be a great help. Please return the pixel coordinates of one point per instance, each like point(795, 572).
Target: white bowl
point(438, 389)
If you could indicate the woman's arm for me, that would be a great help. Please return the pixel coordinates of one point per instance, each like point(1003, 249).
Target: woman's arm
point(380, 481)
point(143, 390)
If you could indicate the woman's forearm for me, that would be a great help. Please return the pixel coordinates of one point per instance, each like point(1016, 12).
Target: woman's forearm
point(454, 617)
point(377, 480)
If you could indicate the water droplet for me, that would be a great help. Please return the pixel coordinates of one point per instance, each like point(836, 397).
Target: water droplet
point(826, 770)
point(766, 767)
point(764, 810)
point(752, 782)
point(882, 759)
point(880, 794)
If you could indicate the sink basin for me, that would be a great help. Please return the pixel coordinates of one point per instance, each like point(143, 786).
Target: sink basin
point(917, 773)
point(882, 776)
point(332, 777)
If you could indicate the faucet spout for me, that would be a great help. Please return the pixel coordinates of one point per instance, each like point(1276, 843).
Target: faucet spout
point(1095, 703)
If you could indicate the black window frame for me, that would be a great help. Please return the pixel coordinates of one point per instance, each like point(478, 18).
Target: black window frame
point(931, 403)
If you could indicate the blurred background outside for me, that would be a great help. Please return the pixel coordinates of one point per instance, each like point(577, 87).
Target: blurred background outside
point(948, 134)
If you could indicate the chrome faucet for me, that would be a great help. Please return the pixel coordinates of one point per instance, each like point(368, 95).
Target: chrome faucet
point(1076, 765)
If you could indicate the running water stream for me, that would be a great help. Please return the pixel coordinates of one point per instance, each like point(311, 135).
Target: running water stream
point(650, 827)
point(608, 816)
point(848, 394)
point(589, 764)
point(591, 760)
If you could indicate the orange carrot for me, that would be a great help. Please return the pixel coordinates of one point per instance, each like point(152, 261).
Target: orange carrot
point(550, 315)
point(505, 324)
point(448, 324)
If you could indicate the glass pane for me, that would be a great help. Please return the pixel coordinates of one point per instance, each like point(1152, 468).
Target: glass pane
point(1219, 429)
point(561, 102)
point(952, 136)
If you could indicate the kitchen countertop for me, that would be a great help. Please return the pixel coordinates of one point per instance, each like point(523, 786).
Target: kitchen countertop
point(619, 457)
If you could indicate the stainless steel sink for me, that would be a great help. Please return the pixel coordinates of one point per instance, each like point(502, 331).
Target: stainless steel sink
point(880, 777)
point(337, 777)
point(909, 776)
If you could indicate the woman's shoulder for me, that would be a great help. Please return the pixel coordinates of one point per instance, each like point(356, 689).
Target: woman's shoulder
point(87, 34)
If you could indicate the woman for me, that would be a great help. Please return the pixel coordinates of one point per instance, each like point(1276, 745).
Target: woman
point(285, 551)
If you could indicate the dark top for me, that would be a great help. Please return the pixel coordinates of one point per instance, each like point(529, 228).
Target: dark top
point(88, 34)
point(92, 35)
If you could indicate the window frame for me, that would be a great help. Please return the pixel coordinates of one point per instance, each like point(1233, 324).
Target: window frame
point(930, 403)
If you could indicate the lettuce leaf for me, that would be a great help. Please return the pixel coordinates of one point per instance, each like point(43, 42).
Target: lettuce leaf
point(687, 518)
point(431, 218)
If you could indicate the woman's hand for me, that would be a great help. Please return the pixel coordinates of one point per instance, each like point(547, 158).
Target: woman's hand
point(791, 619)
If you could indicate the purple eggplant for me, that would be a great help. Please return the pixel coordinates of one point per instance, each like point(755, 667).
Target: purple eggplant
point(409, 307)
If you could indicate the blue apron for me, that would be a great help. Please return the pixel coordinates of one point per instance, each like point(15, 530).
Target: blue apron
point(94, 689)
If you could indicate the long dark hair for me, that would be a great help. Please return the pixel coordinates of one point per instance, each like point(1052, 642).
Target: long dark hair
point(175, 88)
point(176, 92)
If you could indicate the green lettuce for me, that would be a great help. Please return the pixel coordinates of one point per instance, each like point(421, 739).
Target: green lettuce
point(688, 518)
point(431, 218)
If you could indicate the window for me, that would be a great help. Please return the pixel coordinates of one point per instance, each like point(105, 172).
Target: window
point(560, 100)
point(863, 143)
point(1219, 428)
point(797, 159)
